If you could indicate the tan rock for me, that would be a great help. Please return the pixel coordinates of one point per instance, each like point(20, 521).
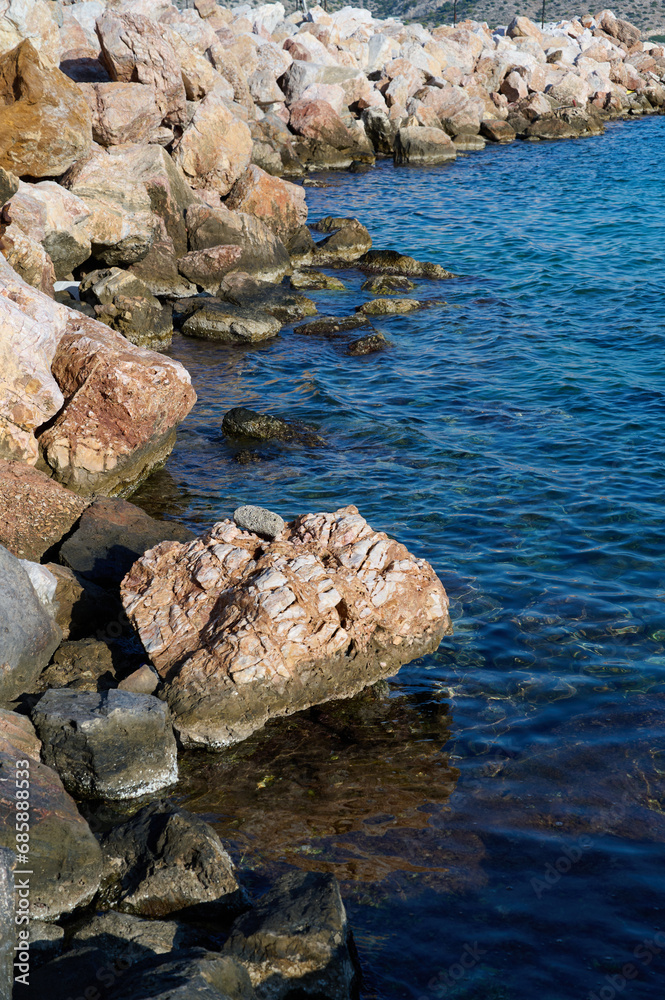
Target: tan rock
point(28, 258)
point(216, 149)
point(122, 112)
point(325, 609)
point(33, 20)
point(54, 217)
point(136, 49)
point(514, 87)
point(522, 27)
point(278, 203)
point(45, 122)
point(228, 66)
point(415, 144)
point(35, 511)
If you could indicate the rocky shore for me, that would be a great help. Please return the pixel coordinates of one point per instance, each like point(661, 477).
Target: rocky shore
point(153, 168)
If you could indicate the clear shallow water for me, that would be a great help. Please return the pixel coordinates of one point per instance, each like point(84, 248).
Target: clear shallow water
point(515, 438)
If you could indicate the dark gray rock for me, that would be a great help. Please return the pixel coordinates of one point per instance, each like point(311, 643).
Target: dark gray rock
point(114, 745)
point(28, 634)
point(8, 186)
point(387, 284)
point(392, 262)
point(164, 861)
point(367, 345)
point(82, 665)
point(46, 941)
point(296, 940)
point(259, 520)
point(329, 326)
point(301, 246)
point(125, 303)
point(348, 240)
point(82, 607)
point(131, 938)
point(196, 975)
point(109, 538)
point(277, 300)
point(243, 423)
point(380, 129)
point(8, 929)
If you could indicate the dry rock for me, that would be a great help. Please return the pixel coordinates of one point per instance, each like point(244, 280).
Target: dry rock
point(278, 203)
point(126, 304)
point(54, 217)
point(263, 252)
point(216, 148)
point(122, 112)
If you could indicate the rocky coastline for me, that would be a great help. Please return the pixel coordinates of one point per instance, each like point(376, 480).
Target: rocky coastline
point(153, 171)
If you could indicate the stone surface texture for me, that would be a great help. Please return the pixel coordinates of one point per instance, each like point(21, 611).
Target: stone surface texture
point(35, 511)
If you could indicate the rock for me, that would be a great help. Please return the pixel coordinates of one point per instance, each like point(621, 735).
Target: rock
point(18, 736)
point(415, 144)
point(522, 27)
point(466, 143)
point(230, 324)
point(110, 745)
point(296, 939)
point(83, 665)
point(392, 262)
point(262, 522)
point(318, 120)
point(46, 941)
point(136, 49)
point(312, 280)
point(126, 304)
point(120, 236)
point(327, 609)
point(145, 680)
point(276, 300)
point(367, 345)
point(110, 537)
point(164, 860)
point(54, 217)
point(45, 122)
point(28, 634)
point(388, 307)
point(327, 326)
point(348, 240)
point(386, 284)
point(215, 149)
point(28, 258)
point(132, 939)
point(552, 128)
point(206, 268)
point(158, 270)
point(278, 203)
point(514, 87)
point(497, 131)
point(36, 21)
point(193, 975)
point(263, 253)
point(8, 185)
point(9, 933)
point(122, 112)
point(64, 856)
point(572, 89)
point(35, 511)
point(243, 423)
point(380, 130)
point(82, 608)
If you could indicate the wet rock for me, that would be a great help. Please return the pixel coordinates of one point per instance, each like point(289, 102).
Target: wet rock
point(262, 522)
point(145, 680)
point(28, 634)
point(206, 268)
point(194, 975)
point(276, 300)
point(312, 280)
point(322, 612)
point(278, 203)
point(367, 345)
point(387, 284)
point(392, 262)
point(81, 665)
point(35, 511)
point(296, 939)
point(414, 144)
point(301, 246)
point(215, 149)
point(231, 324)
point(243, 423)
point(112, 745)
point(388, 307)
point(122, 112)
point(348, 240)
point(110, 537)
point(329, 326)
point(468, 143)
point(45, 122)
point(126, 304)
point(380, 130)
point(263, 253)
point(18, 736)
point(46, 942)
point(497, 131)
point(54, 217)
point(164, 861)
point(129, 938)
point(64, 856)
point(9, 934)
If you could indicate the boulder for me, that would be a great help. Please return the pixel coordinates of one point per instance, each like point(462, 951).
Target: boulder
point(241, 422)
point(145, 680)
point(312, 280)
point(110, 536)
point(28, 634)
point(415, 144)
point(386, 284)
point(82, 665)
point(522, 27)
point(276, 300)
point(28, 258)
point(389, 307)
point(8, 185)
point(348, 240)
point(122, 112)
point(278, 203)
point(322, 612)
point(36, 21)
point(263, 253)
point(215, 149)
point(65, 858)
point(111, 745)
point(54, 217)
point(392, 262)
point(82, 608)
point(35, 511)
point(206, 268)
point(514, 87)
point(158, 270)
point(497, 131)
point(571, 90)
point(45, 122)
point(126, 304)
point(136, 49)
point(318, 120)
point(296, 940)
point(330, 326)
point(187, 975)
point(230, 324)
point(164, 860)
point(9, 932)
point(380, 130)
point(371, 344)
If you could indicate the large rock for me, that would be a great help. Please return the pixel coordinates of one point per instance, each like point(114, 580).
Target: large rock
point(36, 21)
point(126, 304)
point(328, 608)
point(317, 120)
point(54, 217)
point(348, 240)
point(278, 203)
point(122, 112)
point(276, 300)
point(206, 268)
point(296, 940)
point(28, 258)
point(136, 49)
point(110, 536)
point(415, 144)
point(187, 975)
point(216, 149)
point(110, 745)
point(65, 858)
point(28, 634)
point(165, 860)
point(45, 122)
point(392, 262)
point(263, 253)
point(9, 932)
point(230, 324)
point(35, 511)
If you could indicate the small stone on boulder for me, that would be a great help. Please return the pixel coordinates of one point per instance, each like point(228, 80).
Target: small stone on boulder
point(262, 522)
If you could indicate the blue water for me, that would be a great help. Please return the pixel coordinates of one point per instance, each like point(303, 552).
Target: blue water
point(496, 820)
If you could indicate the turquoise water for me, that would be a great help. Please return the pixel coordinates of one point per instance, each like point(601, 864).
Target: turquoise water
point(496, 818)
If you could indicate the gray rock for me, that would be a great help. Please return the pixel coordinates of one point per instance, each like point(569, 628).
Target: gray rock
point(367, 345)
point(196, 975)
point(243, 423)
point(130, 938)
point(387, 284)
point(8, 185)
point(389, 307)
point(380, 130)
point(296, 940)
point(276, 300)
point(114, 745)
point(259, 520)
point(125, 303)
point(315, 280)
point(329, 326)
point(8, 929)
point(347, 241)
point(165, 860)
point(392, 262)
point(28, 634)
point(46, 941)
point(145, 680)
point(81, 665)
point(231, 324)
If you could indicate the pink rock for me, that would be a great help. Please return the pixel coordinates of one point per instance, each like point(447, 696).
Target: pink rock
point(332, 93)
point(28, 258)
point(317, 120)
point(54, 217)
point(571, 90)
point(245, 630)
point(207, 267)
point(514, 87)
point(522, 27)
point(216, 148)
point(122, 112)
point(278, 203)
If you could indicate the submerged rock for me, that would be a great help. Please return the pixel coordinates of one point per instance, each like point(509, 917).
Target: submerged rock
point(327, 326)
point(392, 262)
point(322, 612)
point(114, 745)
point(367, 345)
point(387, 284)
point(243, 423)
point(315, 280)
